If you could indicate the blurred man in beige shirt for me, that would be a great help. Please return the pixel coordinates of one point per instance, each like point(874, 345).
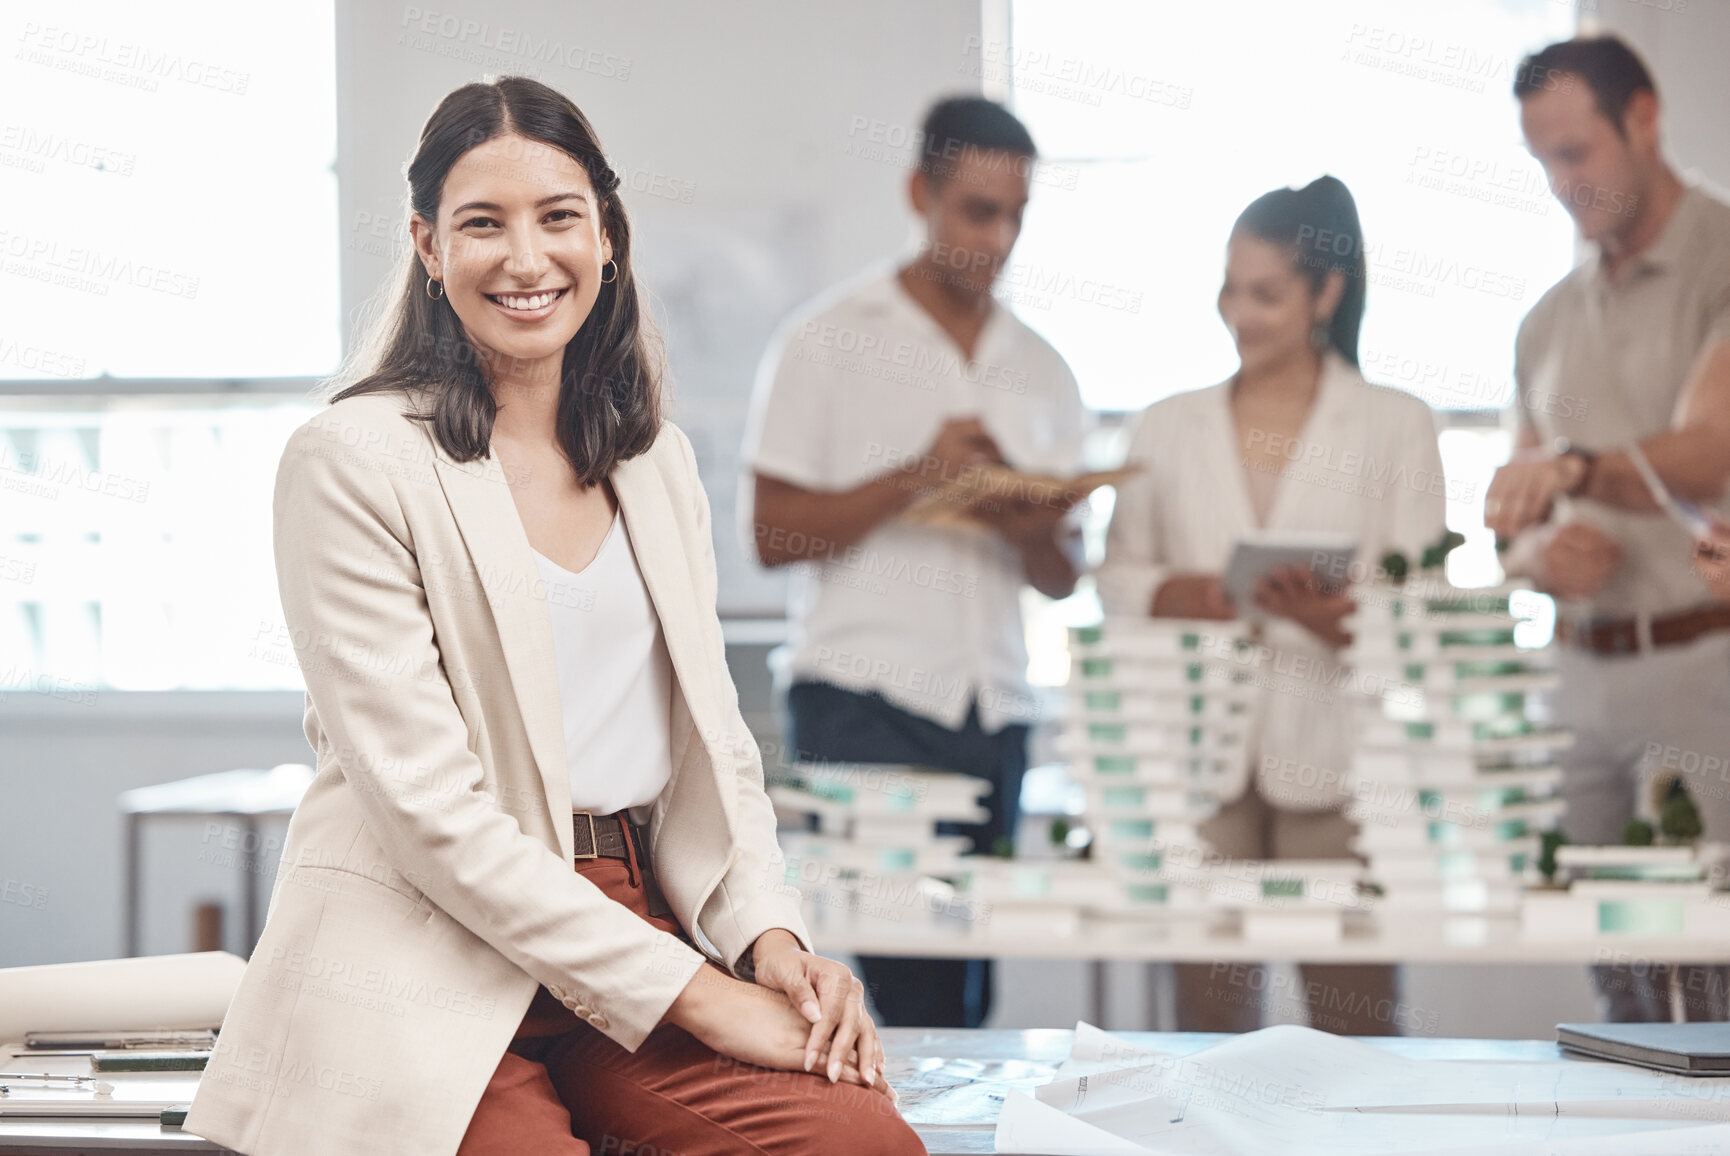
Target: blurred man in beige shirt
point(1632, 348)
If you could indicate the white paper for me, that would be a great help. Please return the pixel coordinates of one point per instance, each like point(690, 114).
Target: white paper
point(960, 1092)
point(140, 994)
point(136, 1094)
point(1300, 1092)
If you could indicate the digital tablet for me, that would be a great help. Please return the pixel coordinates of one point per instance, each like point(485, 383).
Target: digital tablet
point(1256, 555)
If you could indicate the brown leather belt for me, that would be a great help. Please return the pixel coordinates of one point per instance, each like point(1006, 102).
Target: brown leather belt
point(594, 836)
point(1622, 635)
point(603, 837)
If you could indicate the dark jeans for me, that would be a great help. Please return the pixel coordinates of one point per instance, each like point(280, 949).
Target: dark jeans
point(829, 724)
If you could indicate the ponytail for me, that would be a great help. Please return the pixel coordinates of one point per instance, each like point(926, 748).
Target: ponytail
point(1320, 224)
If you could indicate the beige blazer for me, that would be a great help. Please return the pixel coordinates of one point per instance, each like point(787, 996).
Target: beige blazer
point(426, 888)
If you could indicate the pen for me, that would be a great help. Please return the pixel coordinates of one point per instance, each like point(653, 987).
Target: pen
point(100, 1087)
point(45, 1041)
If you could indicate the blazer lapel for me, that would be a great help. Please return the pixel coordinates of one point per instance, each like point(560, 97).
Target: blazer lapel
point(499, 547)
point(656, 540)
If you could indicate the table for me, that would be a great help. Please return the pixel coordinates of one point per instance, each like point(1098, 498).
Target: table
point(245, 796)
point(1003, 1058)
point(836, 931)
point(1382, 940)
point(1035, 1053)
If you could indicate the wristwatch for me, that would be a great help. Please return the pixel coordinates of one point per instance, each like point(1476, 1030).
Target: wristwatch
point(1588, 458)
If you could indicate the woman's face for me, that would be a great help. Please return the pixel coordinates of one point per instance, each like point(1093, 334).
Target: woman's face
point(519, 247)
point(1267, 304)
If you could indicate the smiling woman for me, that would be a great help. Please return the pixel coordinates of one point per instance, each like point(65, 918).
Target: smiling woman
point(523, 257)
point(598, 942)
point(532, 210)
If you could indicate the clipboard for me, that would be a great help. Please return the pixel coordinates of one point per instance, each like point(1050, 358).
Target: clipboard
point(950, 504)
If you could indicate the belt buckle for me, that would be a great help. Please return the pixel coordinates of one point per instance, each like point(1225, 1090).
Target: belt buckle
point(594, 841)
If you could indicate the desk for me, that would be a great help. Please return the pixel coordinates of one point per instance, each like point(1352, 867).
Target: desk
point(995, 1060)
point(245, 796)
point(1027, 1058)
point(80, 1136)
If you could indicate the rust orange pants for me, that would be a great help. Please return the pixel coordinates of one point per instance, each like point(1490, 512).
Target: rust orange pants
point(563, 1088)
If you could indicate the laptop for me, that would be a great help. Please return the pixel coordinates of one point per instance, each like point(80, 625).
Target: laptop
point(1690, 1049)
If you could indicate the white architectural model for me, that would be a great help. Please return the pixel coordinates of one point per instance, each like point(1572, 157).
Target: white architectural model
point(1453, 783)
point(1646, 892)
point(1157, 712)
point(1455, 777)
point(869, 843)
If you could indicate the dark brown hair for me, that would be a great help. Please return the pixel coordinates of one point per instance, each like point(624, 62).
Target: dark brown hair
point(1611, 69)
point(609, 407)
point(1320, 224)
point(957, 126)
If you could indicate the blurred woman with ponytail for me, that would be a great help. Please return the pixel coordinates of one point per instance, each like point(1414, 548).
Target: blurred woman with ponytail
point(1295, 442)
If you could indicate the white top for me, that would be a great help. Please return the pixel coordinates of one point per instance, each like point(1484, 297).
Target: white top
point(1365, 465)
point(615, 678)
point(858, 384)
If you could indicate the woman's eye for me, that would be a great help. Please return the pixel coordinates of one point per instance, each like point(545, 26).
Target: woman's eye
point(483, 221)
point(558, 214)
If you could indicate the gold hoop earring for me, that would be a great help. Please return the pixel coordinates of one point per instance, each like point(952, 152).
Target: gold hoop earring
point(614, 277)
point(439, 296)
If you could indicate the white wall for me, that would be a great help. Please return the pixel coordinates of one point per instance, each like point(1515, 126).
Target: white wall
point(64, 761)
point(1686, 51)
point(733, 123)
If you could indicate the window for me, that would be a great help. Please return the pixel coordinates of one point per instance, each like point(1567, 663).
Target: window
point(168, 171)
point(139, 545)
point(169, 287)
point(1159, 123)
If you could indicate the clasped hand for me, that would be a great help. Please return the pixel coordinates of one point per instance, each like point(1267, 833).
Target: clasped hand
point(802, 1011)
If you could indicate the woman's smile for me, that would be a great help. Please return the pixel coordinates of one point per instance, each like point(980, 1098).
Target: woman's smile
point(528, 306)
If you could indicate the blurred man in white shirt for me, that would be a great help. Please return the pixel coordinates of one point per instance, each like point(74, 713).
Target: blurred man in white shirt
point(908, 642)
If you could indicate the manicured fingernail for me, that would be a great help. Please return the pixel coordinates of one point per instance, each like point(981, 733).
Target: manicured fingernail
point(834, 1070)
point(810, 1058)
point(809, 1007)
